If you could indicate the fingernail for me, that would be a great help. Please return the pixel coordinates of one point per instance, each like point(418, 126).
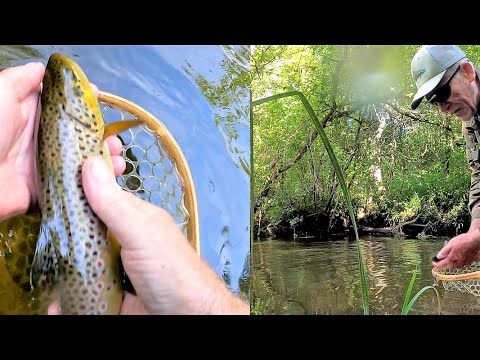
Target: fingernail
point(99, 170)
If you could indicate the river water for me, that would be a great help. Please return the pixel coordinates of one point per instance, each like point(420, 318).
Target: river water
point(323, 277)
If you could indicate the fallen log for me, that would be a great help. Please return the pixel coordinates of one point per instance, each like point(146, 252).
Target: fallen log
point(387, 231)
point(405, 229)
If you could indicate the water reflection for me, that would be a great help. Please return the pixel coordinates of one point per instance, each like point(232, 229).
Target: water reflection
point(323, 278)
point(16, 55)
point(230, 97)
point(213, 132)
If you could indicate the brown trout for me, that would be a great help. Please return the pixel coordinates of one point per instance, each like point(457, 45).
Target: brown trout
point(75, 260)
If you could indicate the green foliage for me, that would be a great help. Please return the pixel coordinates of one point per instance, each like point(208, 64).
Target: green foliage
point(408, 304)
point(398, 163)
point(411, 207)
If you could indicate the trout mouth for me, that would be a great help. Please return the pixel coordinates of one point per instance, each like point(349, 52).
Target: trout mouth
point(63, 61)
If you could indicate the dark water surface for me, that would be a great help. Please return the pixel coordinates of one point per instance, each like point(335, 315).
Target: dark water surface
point(323, 277)
point(201, 95)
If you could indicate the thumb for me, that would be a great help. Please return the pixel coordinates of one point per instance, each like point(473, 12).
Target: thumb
point(442, 256)
point(443, 253)
point(122, 212)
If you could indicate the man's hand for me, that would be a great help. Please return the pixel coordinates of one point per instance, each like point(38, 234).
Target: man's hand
point(461, 250)
point(20, 88)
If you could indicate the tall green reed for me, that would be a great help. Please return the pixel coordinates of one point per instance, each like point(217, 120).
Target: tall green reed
point(407, 304)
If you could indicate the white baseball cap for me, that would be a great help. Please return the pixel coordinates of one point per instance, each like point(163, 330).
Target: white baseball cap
point(429, 65)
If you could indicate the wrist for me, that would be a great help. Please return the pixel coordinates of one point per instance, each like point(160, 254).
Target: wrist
point(210, 296)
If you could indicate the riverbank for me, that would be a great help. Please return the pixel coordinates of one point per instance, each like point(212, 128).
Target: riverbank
point(317, 227)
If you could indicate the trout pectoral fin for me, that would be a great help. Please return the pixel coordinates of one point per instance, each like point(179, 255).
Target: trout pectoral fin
point(119, 126)
point(44, 265)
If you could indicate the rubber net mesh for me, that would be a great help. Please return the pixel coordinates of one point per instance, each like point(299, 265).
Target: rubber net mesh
point(462, 284)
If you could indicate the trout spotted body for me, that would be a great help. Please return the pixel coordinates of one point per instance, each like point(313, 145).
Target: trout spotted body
point(74, 259)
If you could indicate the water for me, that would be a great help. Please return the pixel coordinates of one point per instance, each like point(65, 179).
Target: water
point(201, 95)
point(323, 277)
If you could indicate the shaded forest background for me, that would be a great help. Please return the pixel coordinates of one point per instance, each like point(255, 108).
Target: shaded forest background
point(403, 168)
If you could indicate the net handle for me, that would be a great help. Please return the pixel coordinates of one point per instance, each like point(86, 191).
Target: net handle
point(174, 152)
point(455, 277)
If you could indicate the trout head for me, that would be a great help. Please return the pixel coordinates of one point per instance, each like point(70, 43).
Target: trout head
point(66, 90)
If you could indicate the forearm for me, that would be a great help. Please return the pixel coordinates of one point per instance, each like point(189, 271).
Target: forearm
point(207, 294)
point(179, 281)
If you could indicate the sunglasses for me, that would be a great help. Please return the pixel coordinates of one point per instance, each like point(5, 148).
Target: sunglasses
point(442, 93)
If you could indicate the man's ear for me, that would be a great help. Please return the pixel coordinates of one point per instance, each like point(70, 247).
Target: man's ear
point(467, 66)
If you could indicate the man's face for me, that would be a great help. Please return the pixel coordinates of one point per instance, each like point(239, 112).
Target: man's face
point(462, 99)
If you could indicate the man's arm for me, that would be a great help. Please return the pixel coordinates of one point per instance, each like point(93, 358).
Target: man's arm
point(464, 249)
point(473, 158)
